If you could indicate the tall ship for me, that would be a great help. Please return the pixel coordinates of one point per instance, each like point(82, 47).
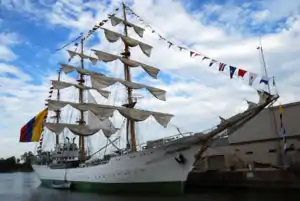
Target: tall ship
point(157, 166)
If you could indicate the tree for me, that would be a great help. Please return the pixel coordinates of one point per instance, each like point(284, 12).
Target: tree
point(27, 156)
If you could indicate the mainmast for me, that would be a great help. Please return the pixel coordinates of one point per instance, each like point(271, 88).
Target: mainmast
point(126, 54)
point(81, 120)
point(57, 112)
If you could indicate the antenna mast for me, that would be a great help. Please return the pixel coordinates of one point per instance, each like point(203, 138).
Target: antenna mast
point(58, 111)
point(264, 62)
point(81, 120)
point(279, 155)
point(126, 54)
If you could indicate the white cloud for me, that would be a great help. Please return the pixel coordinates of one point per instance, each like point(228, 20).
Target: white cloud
point(197, 94)
point(6, 41)
point(261, 15)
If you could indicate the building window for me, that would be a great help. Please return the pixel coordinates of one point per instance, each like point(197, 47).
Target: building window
point(249, 152)
point(272, 151)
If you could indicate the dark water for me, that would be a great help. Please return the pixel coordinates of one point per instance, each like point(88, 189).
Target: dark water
point(25, 187)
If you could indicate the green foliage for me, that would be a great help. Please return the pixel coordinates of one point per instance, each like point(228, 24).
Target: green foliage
point(13, 164)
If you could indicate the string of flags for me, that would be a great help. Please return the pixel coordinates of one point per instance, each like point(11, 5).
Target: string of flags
point(233, 71)
point(39, 148)
point(282, 128)
point(99, 25)
point(91, 31)
point(69, 43)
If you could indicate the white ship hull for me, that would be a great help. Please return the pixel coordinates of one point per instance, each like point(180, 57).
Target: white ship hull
point(151, 170)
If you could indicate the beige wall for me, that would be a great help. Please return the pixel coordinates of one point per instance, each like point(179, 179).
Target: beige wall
point(244, 146)
point(240, 155)
point(263, 126)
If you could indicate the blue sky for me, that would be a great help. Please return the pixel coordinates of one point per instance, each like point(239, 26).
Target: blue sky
point(225, 30)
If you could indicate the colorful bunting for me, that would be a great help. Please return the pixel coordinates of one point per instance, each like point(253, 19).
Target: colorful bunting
point(241, 73)
point(222, 66)
point(97, 26)
point(232, 70)
point(252, 77)
point(265, 80)
point(212, 62)
point(74, 40)
point(191, 53)
point(194, 54)
point(204, 58)
point(282, 128)
point(170, 44)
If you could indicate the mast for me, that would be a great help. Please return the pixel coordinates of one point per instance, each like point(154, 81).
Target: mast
point(81, 120)
point(58, 111)
point(264, 63)
point(279, 155)
point(99, 81)
point(126, 54)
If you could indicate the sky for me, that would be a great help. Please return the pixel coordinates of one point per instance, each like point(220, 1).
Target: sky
point(227, 31)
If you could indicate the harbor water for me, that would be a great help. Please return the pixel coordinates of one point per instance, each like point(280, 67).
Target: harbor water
point(26, 187)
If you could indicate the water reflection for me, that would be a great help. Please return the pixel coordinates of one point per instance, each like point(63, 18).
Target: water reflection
point(25, 187)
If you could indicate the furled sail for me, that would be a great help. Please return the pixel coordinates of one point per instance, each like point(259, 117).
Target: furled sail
point(96, 123)
point(76, 129)
point(112, 37)
point(262, 96)
point(99, 82)
point(106, 57)
point(62, 85)
point(115, 21)
point(73, 54)
point(106, 111)
point(69, 69)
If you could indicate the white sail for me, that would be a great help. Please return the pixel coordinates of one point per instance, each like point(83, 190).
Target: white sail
point(76, 129)
point(96, 123)
point(115, 21)
point(106, 111)
point(73, 54)
point(107, 57)
point(62, 85)
point(263, 96)
point(112, 37)
point(69, 69)
point(99, 81)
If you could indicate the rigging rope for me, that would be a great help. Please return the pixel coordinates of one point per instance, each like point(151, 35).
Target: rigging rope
point(192, 53)
point(69, 43)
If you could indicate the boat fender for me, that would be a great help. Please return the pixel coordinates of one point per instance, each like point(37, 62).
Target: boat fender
point(180, 159)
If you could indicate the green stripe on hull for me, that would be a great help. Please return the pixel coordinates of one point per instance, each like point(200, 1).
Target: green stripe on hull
point(161, 188)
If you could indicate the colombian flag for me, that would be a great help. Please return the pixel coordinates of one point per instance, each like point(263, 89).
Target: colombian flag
point(31, 132)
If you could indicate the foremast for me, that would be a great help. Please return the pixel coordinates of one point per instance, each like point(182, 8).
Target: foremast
point(81, 121)
point(102, 112)
point(57, 112)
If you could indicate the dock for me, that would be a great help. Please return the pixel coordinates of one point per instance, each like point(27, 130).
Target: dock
point(261, 178)
point(255, 156)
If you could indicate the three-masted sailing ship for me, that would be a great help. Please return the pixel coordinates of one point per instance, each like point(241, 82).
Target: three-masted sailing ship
point(161, 165)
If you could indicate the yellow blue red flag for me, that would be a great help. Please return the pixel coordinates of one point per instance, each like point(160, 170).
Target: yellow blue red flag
point(31, 132)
